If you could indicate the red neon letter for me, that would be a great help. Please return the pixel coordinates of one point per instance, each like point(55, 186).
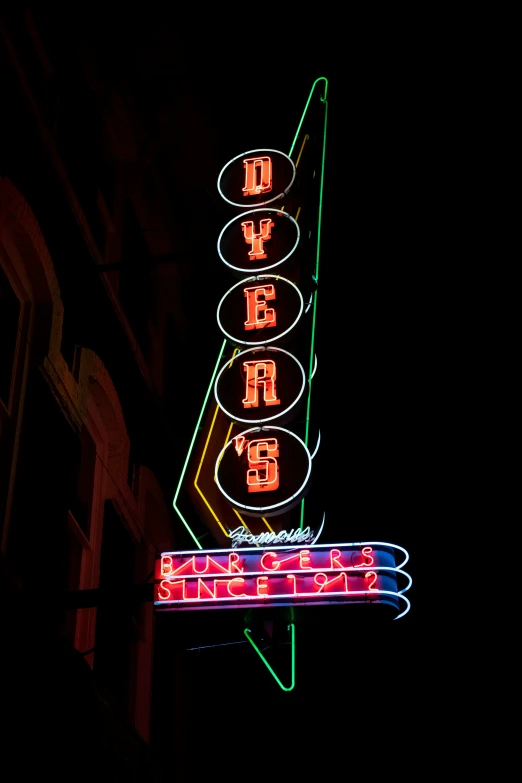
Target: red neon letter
point(275, 565)
point(335, 554)
point(258, 175)
point(178, 583)
point(164, 585)
point(371, 585)
point(260, 374)
point(166, 565)
point(264, 470)
point(208, 561)
point(304, 558)
point(240, 586)
point(322, 581)
point(366, 552)
point(368, 559)
point(203, 586)
point(233, 560)
point(256, 238)
point(258, 314)
point(262, 585)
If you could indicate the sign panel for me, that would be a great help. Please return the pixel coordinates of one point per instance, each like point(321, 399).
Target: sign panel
point(260, 310)
point(264, 471)
point(256, 178)
point(258, 240)
point(260, 385)
point(275, 576)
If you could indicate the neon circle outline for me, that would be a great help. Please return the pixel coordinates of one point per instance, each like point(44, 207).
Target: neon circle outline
point(256, 278)
point(262, 509)
point(277, 415)
point(261, 203)
point(272, 266)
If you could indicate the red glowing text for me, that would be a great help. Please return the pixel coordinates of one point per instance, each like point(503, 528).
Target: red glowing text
point(263, 472)
point(258, 176)
point(260, 374)
point(259, 315)
point(256, 239)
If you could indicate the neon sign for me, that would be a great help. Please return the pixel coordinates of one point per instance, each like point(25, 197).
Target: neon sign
point(275, 576)
point(257, 176)
point(276, 227)
point(260, 310)
point(260, 385)
point(264, 471)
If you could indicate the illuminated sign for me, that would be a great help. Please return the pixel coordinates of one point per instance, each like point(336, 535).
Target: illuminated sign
point(258, 240)
point(257, 177)
point(281, 576)
point(260, 385)
point(260, 310)
point(241, 536)
point(264, 471)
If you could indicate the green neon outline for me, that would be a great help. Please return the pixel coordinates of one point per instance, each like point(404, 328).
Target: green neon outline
point(272, 672)
point(320, 79)
point(220, 356)
point(319, 218)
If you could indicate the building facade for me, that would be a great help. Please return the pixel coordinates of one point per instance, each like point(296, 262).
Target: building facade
point(92, 259)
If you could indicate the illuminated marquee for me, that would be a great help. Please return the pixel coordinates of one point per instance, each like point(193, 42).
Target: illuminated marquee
point(275, 576)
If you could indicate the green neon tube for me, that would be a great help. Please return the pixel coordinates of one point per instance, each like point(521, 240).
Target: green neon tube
point(272, 672)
